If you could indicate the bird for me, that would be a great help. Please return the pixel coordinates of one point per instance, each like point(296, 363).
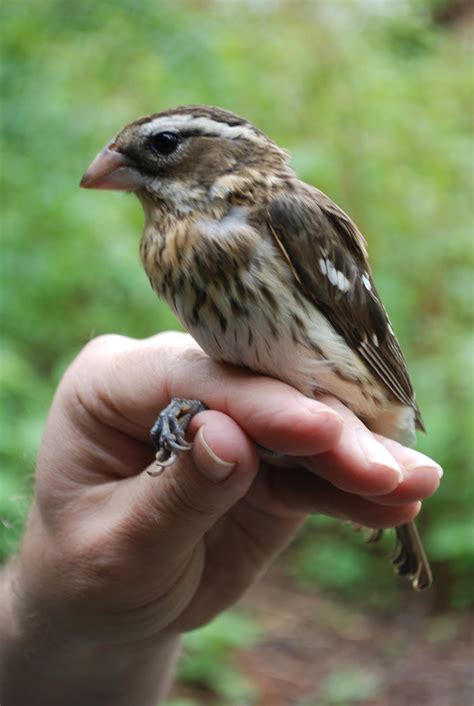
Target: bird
point(264, 271)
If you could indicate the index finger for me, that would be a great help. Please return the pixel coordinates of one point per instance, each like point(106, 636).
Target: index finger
point(130, 381)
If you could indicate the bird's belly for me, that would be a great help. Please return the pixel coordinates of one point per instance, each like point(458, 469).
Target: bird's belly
point(309, 355)
point(300, 365)
point(260, 321)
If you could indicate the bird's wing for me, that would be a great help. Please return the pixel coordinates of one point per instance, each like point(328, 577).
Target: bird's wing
point(327, 255)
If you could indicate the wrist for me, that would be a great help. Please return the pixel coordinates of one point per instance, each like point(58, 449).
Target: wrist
point(42, 664)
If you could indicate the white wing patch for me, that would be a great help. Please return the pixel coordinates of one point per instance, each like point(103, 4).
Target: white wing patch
point(342, 282)
point(336, 277)
point(366, 282)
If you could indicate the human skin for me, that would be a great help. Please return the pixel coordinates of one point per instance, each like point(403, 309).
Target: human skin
point(115, 564)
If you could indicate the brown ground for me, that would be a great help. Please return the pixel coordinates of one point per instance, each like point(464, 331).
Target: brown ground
point(319, 651)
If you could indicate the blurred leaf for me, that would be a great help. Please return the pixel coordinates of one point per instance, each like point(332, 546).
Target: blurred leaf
point(350, 687)
point(207, 657)
point(452, 540)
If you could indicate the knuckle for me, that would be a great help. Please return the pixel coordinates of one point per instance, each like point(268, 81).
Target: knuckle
point(92, 355)
point(173, 339)
point(85, 382)
point(103, 343)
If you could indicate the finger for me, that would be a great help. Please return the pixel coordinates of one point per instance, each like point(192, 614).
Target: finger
point(410, 459)
point(368, 464)
point(182, 503)
point(358, 463)
point(421, 475)
point(133, 380)
point(299, 491)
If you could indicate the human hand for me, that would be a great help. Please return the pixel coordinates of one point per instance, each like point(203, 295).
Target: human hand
point(113, 556)
point(189, 542)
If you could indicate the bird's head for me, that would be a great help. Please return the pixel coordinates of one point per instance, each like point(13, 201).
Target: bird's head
point(184, 158)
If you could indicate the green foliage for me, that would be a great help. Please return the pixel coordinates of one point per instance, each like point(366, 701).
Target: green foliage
point(343, 688)
point(207, 660)
point(376, 109)
point(330, 555)
point(347, 687)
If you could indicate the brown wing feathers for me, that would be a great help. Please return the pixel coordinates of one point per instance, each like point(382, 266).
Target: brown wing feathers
point(314, 235)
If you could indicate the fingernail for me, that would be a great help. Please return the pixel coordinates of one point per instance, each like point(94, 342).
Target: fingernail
point(211, 466)
point(421, 461)
point(376, 454)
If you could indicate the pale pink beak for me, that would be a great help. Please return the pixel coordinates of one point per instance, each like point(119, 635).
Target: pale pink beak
point(112, 170)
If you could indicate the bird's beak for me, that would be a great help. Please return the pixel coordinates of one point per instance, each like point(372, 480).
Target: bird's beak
point(112, 170)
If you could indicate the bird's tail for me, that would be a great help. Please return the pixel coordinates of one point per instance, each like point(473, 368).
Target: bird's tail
point(410, 559)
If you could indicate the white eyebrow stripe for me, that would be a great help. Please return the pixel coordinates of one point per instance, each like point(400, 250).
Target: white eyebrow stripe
point(206, 125)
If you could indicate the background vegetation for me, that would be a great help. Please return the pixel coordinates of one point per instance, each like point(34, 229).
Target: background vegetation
point(374, 100)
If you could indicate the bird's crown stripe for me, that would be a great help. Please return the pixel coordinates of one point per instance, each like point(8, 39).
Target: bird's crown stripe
point(202, 125)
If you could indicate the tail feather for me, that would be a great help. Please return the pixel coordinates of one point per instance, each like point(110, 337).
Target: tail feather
point(410, 559)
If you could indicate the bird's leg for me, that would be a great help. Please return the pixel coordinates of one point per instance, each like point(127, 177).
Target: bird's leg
point(169, 429)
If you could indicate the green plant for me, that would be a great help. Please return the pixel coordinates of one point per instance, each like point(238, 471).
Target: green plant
point(207, 660)
point(343, 688)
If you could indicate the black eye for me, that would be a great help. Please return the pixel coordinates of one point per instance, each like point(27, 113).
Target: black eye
point(165, 142)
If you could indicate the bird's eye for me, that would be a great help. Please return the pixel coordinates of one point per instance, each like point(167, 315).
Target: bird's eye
point(165, 142)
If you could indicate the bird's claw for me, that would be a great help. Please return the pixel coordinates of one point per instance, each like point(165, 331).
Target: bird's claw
point(375, 535)
point(162, 463)
point(168, 432)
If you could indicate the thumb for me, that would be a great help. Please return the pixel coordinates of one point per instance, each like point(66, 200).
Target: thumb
point(187, 498)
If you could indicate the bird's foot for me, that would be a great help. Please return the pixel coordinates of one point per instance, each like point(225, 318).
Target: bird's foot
point(168, 432)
